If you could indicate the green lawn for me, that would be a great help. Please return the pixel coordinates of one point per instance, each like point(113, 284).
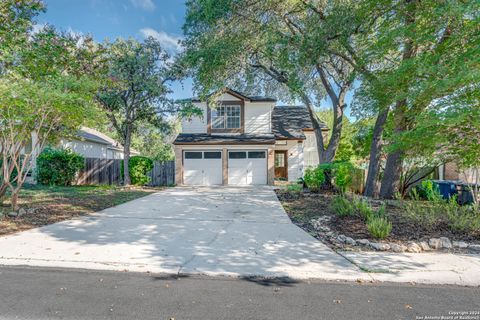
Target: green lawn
point(53, 204)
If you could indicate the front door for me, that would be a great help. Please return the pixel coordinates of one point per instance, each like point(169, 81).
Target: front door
point(281, 165)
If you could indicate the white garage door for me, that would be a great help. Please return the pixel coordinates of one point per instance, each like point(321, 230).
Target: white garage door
point(202, 168)
point(247, 167)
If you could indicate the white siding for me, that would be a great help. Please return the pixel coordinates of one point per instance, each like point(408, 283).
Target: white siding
point(196, 124)
point(295, 154)
point(228, 97)
point(258, 117)
point(310, 152)
point(115, 154)
point(86, 148)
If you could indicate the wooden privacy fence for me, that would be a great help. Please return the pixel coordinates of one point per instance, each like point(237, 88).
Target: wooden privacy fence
point(163, 173)
point(108, 171)
point(100, 171)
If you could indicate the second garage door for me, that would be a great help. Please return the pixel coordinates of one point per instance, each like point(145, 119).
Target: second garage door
point(247, 167)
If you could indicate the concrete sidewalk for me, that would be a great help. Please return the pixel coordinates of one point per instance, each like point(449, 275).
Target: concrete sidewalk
point(428, 268)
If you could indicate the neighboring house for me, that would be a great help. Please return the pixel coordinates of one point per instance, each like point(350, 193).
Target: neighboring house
point(89, 143)
point(244, 140)
point(450, 171)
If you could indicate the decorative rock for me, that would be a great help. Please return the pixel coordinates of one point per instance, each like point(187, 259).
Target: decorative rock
point(364, 242)
point(12, 214)
point(21, 212)
point(460, 244)
point(413, 247)
point(342, 238)
point(397, 247)
point(350, 241)
point(435, 243)
point(323, 228)
point(380, 246)
point(475, 247)
point(424, 245)
point(446, 243)
point(330, 234)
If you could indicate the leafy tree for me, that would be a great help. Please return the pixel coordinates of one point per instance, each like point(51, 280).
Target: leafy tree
point(48, 92)
point(136, 94)
point(263, 41)
point(412, 54)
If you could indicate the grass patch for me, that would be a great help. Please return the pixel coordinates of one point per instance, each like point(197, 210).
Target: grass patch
point(54, 204)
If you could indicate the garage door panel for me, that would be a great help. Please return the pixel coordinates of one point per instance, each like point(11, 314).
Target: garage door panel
point(247, 167)
point(202, 168)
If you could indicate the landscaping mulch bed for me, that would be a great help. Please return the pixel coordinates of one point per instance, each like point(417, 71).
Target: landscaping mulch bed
point(302, 207)
point(47, 205)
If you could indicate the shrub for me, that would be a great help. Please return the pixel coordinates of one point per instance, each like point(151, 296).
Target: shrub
point(363, 208)
point(58, 166)
point(427, 190)
point(379, 227)
point(427, 215)
point(343, 175)
point(462, 219)
point(295, 188)
point(314, 178)
point(138, 168)
point(342, 206)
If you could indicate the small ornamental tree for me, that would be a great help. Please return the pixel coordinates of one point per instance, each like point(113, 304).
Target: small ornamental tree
point(58, 166)
point(47, 93)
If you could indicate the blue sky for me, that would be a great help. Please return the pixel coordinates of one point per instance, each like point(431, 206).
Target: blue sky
point(162, 19)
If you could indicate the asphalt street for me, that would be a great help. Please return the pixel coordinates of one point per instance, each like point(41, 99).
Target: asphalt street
point(45, 293)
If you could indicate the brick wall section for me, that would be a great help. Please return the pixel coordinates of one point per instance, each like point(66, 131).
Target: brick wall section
point(451, 171)
point(178, 165)
point(270, 165)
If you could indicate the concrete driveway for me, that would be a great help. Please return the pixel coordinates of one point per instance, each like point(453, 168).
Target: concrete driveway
point(207, 230)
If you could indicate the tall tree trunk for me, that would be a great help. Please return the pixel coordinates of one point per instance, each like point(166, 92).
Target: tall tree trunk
point(391, 176)
point(375, 154)
point(338, 104)
point(393, 167)
point(126, 158)
point(14, 199)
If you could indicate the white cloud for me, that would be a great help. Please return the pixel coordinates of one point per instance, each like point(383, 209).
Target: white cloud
point(144, 4)
point(169, 42)
point(36, 28)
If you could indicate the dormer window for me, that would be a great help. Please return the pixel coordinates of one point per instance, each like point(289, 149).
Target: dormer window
point(226, 117)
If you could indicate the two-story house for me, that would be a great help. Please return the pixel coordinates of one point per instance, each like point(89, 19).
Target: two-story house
point(244, 140)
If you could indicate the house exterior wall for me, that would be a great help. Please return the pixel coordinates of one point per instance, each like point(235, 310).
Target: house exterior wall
point(86, 148)
point(295, 158)
point(196, 124)
point(310, 153)
point(258, 117)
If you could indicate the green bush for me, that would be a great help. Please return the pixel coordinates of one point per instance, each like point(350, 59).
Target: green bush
point(427, 215)
point(138, 168)
point(339, 174)
point(379, 227)
point(343, 175)
point(58, 166)
point(295, 188)
point(342, 207)
point(426, 190)
point(314, 178)
point(363, 208)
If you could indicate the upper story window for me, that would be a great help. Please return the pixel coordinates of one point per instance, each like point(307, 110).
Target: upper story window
point(226, 117)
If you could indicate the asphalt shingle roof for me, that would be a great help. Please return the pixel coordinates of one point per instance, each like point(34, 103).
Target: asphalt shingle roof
point(288, 122)
point(203, 138)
